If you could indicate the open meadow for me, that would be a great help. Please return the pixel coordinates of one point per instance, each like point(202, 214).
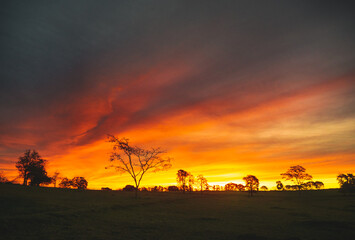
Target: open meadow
point(49, 213)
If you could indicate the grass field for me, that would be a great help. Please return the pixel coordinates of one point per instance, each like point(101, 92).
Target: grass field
point(48, 213)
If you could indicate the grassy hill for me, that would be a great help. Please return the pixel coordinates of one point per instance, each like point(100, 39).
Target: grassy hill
point(48, 213)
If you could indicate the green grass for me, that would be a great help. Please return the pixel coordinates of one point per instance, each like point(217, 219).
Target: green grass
point(47, 213)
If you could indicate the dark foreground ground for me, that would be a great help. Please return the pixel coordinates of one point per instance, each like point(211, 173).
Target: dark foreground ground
point(47, 213)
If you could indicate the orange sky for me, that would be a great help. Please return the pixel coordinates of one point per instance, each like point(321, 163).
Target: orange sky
point(263, 140)
point(227, 89)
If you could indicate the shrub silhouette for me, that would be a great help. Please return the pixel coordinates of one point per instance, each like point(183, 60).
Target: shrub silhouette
point(279, 185)
point(173, 189)
point(129, 188)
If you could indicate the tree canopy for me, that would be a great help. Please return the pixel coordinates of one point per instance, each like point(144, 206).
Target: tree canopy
point(346, 182)
point(182, 179)
point(32, 167)
point(202, 182)
point(79, 183)
point(234, 187)
point(251, 184)
point(76, 182)
point(297, 174)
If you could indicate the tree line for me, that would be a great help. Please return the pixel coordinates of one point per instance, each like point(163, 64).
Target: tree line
point(137, 161)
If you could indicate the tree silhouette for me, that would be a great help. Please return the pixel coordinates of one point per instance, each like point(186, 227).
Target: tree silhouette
point(230, 187)
point(318, 185)
point(297, 174)
point(79, 183)
point(346, 182)
point(191, 181)
point(38, 175)
point(202, 182)
point(264, 188)
point(279, 185)
point(65, 183)
point(136, 161)
point(234, 187)
point(312, 185)
point(55, 177)
point(32, 167)
point(240, 187)
point(181, 178)
point(251, 184)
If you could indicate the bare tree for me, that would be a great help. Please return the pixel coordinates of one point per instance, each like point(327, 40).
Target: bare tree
point(55, 177)
point(135, 160)
point(251, 184)
point(297, 174)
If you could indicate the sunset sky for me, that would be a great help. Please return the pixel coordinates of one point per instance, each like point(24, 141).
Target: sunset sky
point(227, 88)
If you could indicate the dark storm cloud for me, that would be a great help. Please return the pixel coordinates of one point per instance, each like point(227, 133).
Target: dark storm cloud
point(62, 61)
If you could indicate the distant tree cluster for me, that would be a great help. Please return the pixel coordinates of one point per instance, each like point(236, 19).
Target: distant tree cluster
point(32, 168)
point(234, 187)
point(297, 174)
point(76, 182)
point(186, 182)
point(131, 188)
